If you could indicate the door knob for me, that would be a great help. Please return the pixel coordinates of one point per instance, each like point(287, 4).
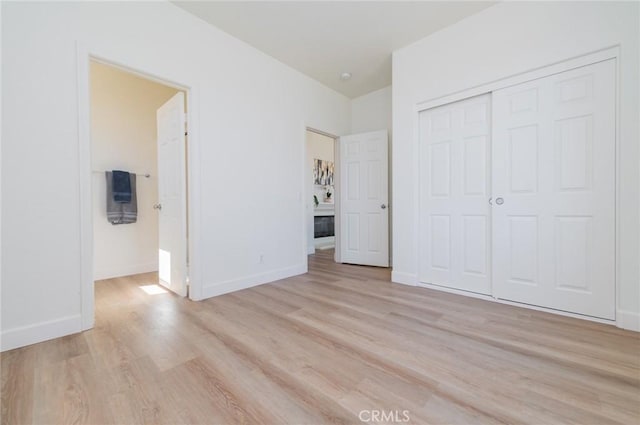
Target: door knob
point(383, 206)
point(499, 201)
point(157, 206)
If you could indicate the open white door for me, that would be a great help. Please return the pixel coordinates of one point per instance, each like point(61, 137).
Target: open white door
point(364, 212)
point(172, 202)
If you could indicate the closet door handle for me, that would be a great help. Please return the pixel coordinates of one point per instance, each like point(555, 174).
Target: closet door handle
point(499, 201)
point(157, 206)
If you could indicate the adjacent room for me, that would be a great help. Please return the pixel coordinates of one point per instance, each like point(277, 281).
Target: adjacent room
point(225, 212)
point(322, 191)
point(124, 136)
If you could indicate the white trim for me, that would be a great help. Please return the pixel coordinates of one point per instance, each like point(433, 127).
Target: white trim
point(84, 56)
point(417, 187)
point(308, 248)
point(85, 191)
point(404, 278)
point(233, 285)
point(38, 332)
point(0, 174)
point(532, 74)
point(337, 209)
point(618, 209)
point(628, 320)
point(625, 319)
point(95, 57)
point(513, 303)
point(194, 195)
point(127, 270)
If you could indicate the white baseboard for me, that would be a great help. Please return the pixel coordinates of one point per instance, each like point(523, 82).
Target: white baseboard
point(404, 278)
point(625, 319)
point(38, 332)
point(490, 298)
point(628, 320)
point(215, 289)
point(311, 250)
point(126, 270)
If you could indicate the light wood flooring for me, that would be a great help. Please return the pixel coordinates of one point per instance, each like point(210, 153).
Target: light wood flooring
point(321, 348)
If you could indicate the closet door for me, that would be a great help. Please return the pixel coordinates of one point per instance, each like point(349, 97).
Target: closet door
point(554, 191)
point(454, 195)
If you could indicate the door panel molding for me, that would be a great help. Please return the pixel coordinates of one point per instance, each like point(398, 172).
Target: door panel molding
point(554, 236)
point(172, 195)
point(454, 220)
point(575, 179)
point(364, 198)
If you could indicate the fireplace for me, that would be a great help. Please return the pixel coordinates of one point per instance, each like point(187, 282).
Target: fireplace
point(323, 226)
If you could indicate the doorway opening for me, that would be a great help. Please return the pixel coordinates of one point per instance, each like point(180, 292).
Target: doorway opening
point(347, 195)
point(138, 183)
point(321, 191)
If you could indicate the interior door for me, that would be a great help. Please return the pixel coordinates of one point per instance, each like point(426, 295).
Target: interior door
point(172, 205)
point(455, 217)
point(554, 191)
point(364, 205)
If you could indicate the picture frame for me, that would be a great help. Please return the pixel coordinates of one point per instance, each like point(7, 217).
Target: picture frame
point(323, 172)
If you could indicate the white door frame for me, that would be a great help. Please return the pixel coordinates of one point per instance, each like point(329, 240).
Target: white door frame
point(532, 74)
point(84, 56)
point(307, 200)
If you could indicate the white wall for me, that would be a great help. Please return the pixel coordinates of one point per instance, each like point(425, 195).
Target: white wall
point(1, 42)
point(318, 147)
point(123, 137)
point(504, 40)
point(252, 111)
point(372, 111)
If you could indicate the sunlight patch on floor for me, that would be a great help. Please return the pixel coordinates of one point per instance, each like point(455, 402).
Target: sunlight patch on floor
point(153, 289)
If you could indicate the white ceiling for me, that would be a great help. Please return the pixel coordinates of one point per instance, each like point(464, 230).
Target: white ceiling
point(322, 39)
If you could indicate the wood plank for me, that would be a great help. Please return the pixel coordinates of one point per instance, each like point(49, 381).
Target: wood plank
point(320, 348)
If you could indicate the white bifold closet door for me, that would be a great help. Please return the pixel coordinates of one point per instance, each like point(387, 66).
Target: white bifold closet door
point(454, 192)
point(553, 183)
